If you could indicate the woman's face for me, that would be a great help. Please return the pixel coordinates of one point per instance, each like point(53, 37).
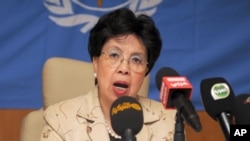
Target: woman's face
point(121, 67)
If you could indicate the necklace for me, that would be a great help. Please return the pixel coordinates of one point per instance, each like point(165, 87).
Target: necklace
point(111, 132)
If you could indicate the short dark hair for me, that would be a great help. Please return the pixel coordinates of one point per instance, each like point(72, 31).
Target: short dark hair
point(123, 22)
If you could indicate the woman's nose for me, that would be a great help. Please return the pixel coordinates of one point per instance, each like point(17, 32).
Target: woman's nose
point(124, 66)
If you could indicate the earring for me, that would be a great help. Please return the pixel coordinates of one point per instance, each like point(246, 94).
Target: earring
point(94, 75)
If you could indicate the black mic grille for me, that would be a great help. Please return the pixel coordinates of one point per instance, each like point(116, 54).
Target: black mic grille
point(217, 96)
point(165, 71)
point(126, 113)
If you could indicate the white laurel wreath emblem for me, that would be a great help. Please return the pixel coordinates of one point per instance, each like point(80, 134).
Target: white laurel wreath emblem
point(63, 15)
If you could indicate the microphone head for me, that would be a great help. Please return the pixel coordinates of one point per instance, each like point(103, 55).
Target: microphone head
point(217, 96)
point(175, 92)
point(242, 110)
point(171, 85)
point(126, 113)
point(165, 71)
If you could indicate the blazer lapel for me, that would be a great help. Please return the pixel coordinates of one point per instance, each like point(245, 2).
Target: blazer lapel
point(145, 134)
point(99, 131)
point(149, 117)
point(92, 113)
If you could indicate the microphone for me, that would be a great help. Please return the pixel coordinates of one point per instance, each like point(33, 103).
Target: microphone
point(242, 115)
point(175, 92)
point(219, 101)
point(126, 117)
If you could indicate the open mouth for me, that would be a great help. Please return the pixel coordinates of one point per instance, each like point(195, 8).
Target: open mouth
point(120, 88)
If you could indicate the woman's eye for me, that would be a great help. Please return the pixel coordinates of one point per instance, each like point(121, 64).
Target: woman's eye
point(136, 60)
point(114, 55)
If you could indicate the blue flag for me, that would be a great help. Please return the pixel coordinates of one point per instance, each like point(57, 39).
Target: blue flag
point(201, 39)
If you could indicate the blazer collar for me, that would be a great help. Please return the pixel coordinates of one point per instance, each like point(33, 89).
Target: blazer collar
point(91, 111)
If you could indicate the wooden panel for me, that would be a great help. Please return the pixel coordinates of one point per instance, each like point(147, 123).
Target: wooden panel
point(11, 119)
point(10, 123)
point(211, 130)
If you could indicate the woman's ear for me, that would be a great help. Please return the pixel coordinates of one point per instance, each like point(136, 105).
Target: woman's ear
point(95, 62)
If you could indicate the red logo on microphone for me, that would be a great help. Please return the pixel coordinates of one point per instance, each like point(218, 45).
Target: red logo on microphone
point(170, 84)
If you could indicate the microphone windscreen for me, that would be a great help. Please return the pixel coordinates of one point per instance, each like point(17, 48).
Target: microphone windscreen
point(126, 113)
point(242, 110)
point(217, 96)
point(165, 71)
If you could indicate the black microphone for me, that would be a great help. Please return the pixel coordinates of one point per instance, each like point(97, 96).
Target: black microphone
point(126, 117)
point(219, 101)
point(175, 92)
point(242, 110)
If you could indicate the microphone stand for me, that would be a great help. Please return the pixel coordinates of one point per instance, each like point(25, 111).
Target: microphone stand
point(179, 128)
point(225, 121)
point(128, 135)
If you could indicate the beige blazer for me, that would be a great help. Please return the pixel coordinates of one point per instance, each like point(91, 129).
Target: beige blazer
point(81, 119)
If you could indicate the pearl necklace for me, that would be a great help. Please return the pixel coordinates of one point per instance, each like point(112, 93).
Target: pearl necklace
point(111, 132)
